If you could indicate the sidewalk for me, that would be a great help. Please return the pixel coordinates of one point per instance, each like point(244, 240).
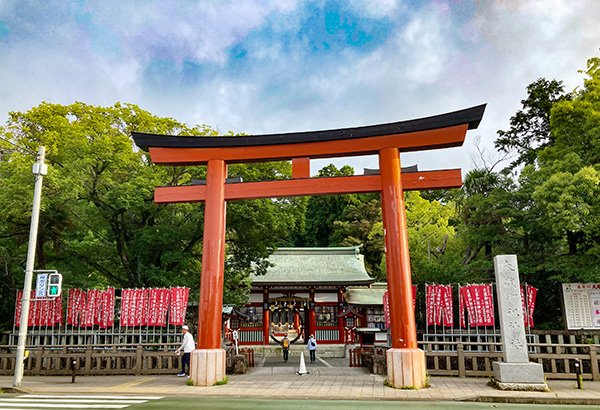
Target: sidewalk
point(282, 383)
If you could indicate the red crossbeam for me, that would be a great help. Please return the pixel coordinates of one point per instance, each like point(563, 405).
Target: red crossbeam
point(450, 178)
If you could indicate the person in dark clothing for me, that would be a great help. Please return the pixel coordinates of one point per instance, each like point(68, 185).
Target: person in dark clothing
point(285, 344)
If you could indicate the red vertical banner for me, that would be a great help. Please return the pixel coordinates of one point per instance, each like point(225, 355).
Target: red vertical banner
point(478, 301)
point(39, 316)
point(72, 312)
point(430, 305)
point(134, 308)
point(154, 306)
point(34, 313)
point(99, 307)
point(58, 313)
point(414, 296)
point(386, 309)
point(529, 305)
point(158, 305)
point(76, 306)
point(439, 305)
point(487, 305)
point(18, 308)
point(179, 299)
point(90, 312)
point(107, 308)
point(531, 298)
point(125, 317)
point(134, 318)
point(142, 307)
point(165, 301)
point(46, 312)
point(448, 306)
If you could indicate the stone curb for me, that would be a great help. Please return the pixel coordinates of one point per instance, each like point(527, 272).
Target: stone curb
point(534, 400)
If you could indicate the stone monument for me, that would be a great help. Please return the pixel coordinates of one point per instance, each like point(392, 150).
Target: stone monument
point(516, 372)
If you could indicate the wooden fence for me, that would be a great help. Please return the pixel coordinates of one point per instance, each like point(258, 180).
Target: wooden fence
point(445, 357)
point(101, 360)
point(468, 360)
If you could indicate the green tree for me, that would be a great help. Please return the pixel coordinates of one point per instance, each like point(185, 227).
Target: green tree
point(99, 224)
point(530, 129)
point(322, 211)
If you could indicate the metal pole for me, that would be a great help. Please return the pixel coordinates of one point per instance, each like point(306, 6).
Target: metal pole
point(39, 170)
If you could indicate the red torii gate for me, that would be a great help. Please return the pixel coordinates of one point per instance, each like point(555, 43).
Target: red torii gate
point(406, 363)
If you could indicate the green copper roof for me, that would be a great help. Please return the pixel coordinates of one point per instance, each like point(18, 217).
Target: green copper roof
point(315, 266)
point(370, 296)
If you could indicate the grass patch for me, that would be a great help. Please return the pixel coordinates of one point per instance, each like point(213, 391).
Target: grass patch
point(222, 382)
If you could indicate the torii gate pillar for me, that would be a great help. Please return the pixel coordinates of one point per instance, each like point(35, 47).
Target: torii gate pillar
point(207, 363)
point(405, 362)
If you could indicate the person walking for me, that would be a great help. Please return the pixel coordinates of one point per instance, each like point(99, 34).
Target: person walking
point(312, 348)
point(285, 344)
point(187, 345)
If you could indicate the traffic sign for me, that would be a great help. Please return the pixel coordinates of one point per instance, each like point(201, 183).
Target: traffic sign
point(41, 286)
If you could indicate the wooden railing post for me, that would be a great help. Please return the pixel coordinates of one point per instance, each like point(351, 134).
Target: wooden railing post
point(39, 357)
point(88, 361)
point(138, 360)
point(594, 363)
point(461, 360)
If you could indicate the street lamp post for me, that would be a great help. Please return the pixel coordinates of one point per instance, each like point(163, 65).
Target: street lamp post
point(39, 170)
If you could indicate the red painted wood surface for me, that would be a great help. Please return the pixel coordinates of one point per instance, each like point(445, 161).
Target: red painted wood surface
point(213, 257)
point(301, 168)
point(443, 179)
point(397, 258)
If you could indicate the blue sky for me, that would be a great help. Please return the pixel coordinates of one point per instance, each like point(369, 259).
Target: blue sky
point(279, 66)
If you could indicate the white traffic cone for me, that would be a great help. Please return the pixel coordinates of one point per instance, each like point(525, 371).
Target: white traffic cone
point(302, 369)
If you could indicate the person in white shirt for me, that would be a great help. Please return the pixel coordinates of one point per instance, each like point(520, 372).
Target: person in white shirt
point(312, 348)
point(187, 345)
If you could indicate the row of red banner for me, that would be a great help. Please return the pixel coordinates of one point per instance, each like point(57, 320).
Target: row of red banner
point(91, 307)
point(42, 312)
point(149, 307)
point(139, 307)
point(476, 300)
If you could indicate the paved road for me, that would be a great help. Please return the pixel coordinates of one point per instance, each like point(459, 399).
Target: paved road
point(24, 402)
point(323, 383)
point(39, 401)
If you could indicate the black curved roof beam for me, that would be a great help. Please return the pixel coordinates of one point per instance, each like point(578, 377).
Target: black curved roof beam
point(470, 116)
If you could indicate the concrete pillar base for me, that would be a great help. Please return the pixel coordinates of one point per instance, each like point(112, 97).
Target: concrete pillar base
point(207, 366)
point(406, 368)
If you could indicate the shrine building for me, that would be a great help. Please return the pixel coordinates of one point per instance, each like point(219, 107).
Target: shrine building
point(326, 292)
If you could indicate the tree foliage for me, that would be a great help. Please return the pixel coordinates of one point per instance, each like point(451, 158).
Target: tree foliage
point(99, 225)
point(530, 129)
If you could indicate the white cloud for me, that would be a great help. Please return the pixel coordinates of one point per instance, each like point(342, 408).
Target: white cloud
point(432, 64)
